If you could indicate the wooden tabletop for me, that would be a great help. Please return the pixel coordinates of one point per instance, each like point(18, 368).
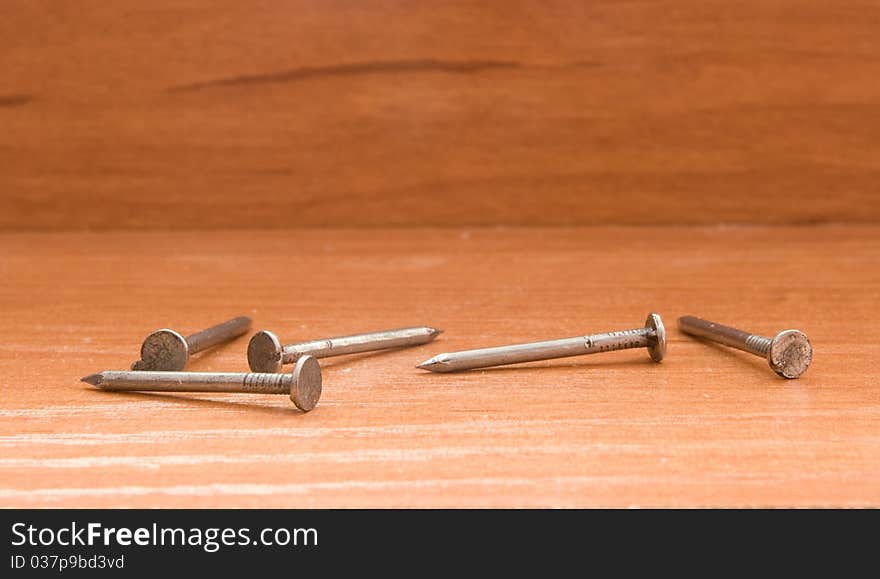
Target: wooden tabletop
point(707, 426)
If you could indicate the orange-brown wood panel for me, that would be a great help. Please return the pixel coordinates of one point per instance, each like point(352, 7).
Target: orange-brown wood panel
point(707, 426)
point(375, 113)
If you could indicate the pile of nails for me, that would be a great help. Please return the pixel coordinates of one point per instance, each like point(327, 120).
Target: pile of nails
point(164, 355)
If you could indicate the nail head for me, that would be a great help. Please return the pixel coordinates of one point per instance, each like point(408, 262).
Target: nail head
point(305, 391)
point(656, 337)
point(790, 353)
point(264, 352)
point(163, 350)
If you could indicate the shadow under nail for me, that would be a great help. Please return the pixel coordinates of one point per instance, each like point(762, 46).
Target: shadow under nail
point(286, 408)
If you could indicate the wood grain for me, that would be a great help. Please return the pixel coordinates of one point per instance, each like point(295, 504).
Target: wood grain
point(708, 426)
point(383, 113)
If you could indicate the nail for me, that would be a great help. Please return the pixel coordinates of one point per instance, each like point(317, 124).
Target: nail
point(303, 384)
point(266, 354)
point(789, 352)
point(652, 336)
point(169, 351)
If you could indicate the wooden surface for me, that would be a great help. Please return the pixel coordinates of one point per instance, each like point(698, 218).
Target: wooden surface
point(708, 426)
point(375, 113)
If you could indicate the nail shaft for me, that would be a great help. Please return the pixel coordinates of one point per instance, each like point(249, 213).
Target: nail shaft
point(254, 383)
point(218, 334)
point(356, 343)
point(652, 336)
point(751, 343)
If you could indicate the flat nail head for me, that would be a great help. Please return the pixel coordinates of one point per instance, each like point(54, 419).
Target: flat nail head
point(163, 350)
point(656, 337)
point(790, 353)
point(264, 353)
point(305, 391)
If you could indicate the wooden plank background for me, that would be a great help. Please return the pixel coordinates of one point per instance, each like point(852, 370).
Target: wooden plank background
point(383, 113)
point(707, 426)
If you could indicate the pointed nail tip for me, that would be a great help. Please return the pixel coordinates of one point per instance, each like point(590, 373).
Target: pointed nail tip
point(93, 379)
point(427, 364)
